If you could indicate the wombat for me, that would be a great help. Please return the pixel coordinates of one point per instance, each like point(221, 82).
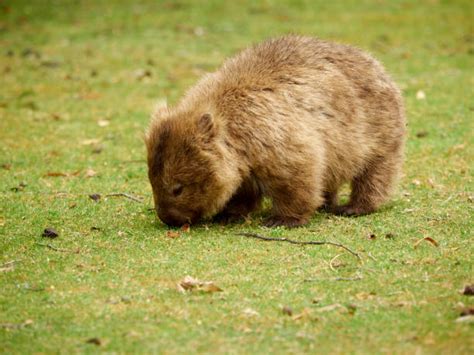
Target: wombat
point(292, 119)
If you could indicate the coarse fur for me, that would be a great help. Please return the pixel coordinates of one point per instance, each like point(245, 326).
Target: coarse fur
point(292, 118)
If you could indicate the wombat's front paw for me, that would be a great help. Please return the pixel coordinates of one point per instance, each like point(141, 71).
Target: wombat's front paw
point(352, 211)
point(228, 218)
point(289, 222)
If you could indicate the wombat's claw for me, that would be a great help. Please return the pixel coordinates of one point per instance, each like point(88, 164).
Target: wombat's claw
point(351, 211)
point(289, 222)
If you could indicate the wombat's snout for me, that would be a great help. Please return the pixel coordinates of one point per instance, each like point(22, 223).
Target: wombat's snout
point(172, 217)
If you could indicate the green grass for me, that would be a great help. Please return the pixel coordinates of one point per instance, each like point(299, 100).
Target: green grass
point(118, 283)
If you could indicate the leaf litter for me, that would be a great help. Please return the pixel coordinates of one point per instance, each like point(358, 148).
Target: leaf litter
point(191, 284)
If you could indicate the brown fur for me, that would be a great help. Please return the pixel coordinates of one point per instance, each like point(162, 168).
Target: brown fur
point(293, 119)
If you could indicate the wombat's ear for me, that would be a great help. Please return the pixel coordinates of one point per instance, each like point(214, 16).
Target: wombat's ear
point(206, 124)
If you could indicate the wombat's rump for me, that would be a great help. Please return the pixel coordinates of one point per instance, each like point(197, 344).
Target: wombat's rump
point(292, 119)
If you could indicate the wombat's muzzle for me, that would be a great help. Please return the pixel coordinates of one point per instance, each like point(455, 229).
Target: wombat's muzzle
point(172, 219)
point(175, 218)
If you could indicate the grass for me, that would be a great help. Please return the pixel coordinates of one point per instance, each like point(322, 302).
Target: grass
point(78, 81)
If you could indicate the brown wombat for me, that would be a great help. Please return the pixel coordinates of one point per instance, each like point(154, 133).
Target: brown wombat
point(292, 118)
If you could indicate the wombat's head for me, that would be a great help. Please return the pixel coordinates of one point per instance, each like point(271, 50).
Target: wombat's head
point(188, 167)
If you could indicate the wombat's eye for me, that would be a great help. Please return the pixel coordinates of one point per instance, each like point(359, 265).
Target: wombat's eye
point(177, 190)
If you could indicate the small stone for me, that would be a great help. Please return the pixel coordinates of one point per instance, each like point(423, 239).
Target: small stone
point(50, 233)
point(287, 311)
point(95, 197)
point(420, 95)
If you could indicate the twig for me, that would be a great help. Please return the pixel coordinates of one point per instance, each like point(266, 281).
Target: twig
point(333, 260)
point(52, 247)
point(9, 263)
point(291, 241)
point(355, 278)
point(371, 256)
point(122, 194)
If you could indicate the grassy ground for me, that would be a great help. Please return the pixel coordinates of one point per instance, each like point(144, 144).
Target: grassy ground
point(78, 80)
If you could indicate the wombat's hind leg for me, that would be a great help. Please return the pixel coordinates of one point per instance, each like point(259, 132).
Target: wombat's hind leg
point(371, 188)
point(247, 199)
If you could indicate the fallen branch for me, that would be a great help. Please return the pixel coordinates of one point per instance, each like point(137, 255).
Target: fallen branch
point(52, 247)
point(122, 194)
point(298, 242)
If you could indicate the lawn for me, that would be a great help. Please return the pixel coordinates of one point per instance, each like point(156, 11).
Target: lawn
point(78, 81)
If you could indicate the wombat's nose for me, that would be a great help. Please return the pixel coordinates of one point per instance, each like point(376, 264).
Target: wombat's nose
point(171, 218)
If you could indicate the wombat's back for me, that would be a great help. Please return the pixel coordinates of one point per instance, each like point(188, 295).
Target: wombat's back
point(322, 89)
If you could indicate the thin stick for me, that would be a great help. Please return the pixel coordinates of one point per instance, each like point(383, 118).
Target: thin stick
point(9, 263)
point(332, 260)
point(122, 194)
point(291, 241)
point(52, 247)
point(356, 278)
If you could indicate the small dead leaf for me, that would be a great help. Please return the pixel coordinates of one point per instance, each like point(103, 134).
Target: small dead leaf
point(351, 308)
point(26, 323)
point(55, 174)
point(416, 182)
point(90, 173)
point(91, 141)
point(21, 186)
point(50, 64)
point(6, 166)
point(420, 95)
point(191, 284)
point(95, 197)
point(457, 148)
point(421, 134)
point(330, 308)
point(249, 312)
point(468, 290)
point(428, 239)
point(103, 123)
point(97, 149)
point(305, 314)
point(89, 96)
point(432, 183)
point(172, 234)
point(141, 74)
point(61, 174)
point(199, 31)
point(287, 311)
point(362, 296)
point(95, 341)
point(7, 268)
point(50, 233)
